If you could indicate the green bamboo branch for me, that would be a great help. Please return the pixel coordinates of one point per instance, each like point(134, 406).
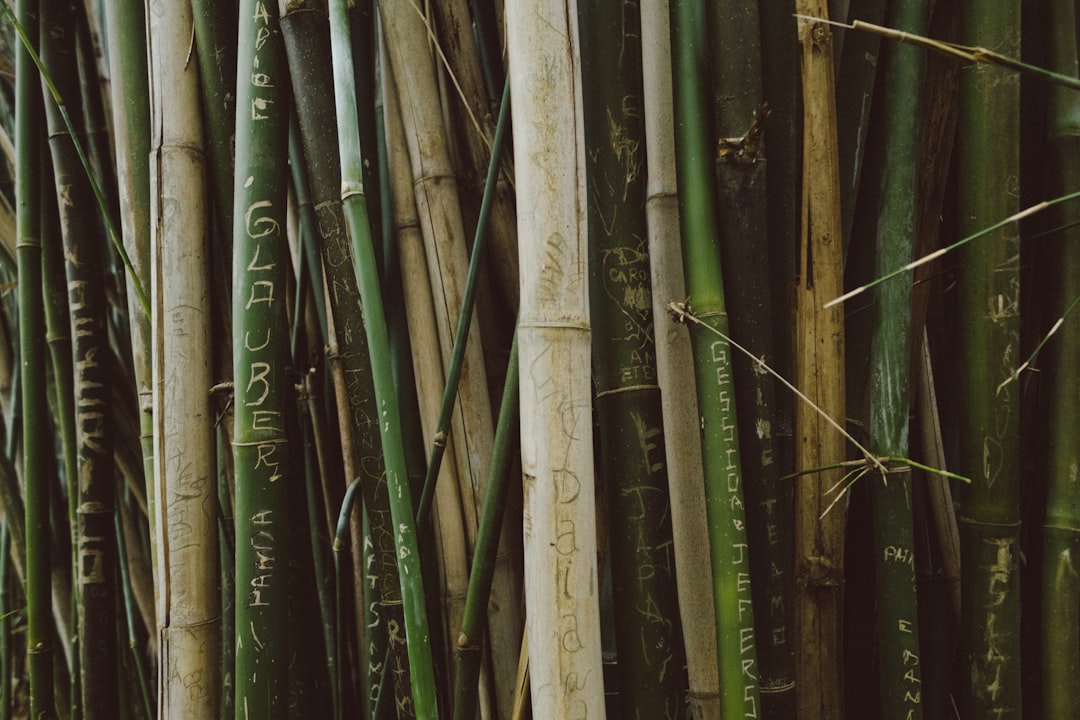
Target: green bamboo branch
point(929, 257)
point(969, 53)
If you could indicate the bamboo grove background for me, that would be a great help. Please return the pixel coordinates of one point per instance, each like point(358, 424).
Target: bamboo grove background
point(493, 359)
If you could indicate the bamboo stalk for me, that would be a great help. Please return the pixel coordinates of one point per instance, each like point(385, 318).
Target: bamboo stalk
point(561, 584)
point(651, 681)
point(476, 119)
point(741, 175)
point(423, 700)
point(188, 602)
point(441, 225)
point(988, 334)
point(894, 543)
point(724, 503)
point(306, 32)
point(260, 339)
point(84, 245)
point(420, 312)
point(1061, 528)
point(31, 347)
point(819, 363)
point(673, 355)
point(125, 26)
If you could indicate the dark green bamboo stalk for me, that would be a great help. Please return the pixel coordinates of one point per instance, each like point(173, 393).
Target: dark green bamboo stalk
point(125, 22)
point(306, 33)
point(1061, 528)
point(423, 701)
point(468, 653)
point(6, 659)
point(129, 616)
point(31, 349)
point(84, 249)
point(890, 352)
point(260, 338)
point(712, 363)
point(215, 35)
point(988, 338)
point(741, 119)
point(647, 628)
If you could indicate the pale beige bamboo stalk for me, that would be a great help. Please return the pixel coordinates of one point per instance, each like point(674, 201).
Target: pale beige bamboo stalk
point(819, 373)
point(188, 601)
point(561, 585)
point(447, 519)
point(439, 215)
point(461, 54)
point(673, 358)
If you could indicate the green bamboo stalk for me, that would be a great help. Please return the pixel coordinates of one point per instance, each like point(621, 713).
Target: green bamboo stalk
point(129, 616)
point(1061, 527)
point(31, 349)
point(215, 36)
point(890, 352)
point(260, 338)
point(712, 365)
point(125, 26)
point(6, 655)
point(84, 245)
point(673, 356)
point(439, 512)
point(988, 336)
point(561, 579)
point(58, 339)
point(185, 534)
point(473, 112)
point(819, 373)
point(651, 681)
point(305, 31)
point(468, 650)
point(741, 162)
point(423, 701)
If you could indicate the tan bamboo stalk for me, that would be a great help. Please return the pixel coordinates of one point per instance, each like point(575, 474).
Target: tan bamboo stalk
point(561, 585)
point(186, 534)
point(449, 529)
point(458, 43)
point(439, 214)
point(819, 362)
point(683, 440)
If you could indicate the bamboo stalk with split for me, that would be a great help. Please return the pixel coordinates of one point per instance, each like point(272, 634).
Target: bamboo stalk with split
point(819, 372)
point(186, 534)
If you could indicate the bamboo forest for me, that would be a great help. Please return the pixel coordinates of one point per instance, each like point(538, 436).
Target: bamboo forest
point(551, 359)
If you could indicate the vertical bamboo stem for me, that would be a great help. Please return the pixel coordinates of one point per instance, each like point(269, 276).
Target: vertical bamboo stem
point(188, 602)
point(819, 361)
point(561, 583)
